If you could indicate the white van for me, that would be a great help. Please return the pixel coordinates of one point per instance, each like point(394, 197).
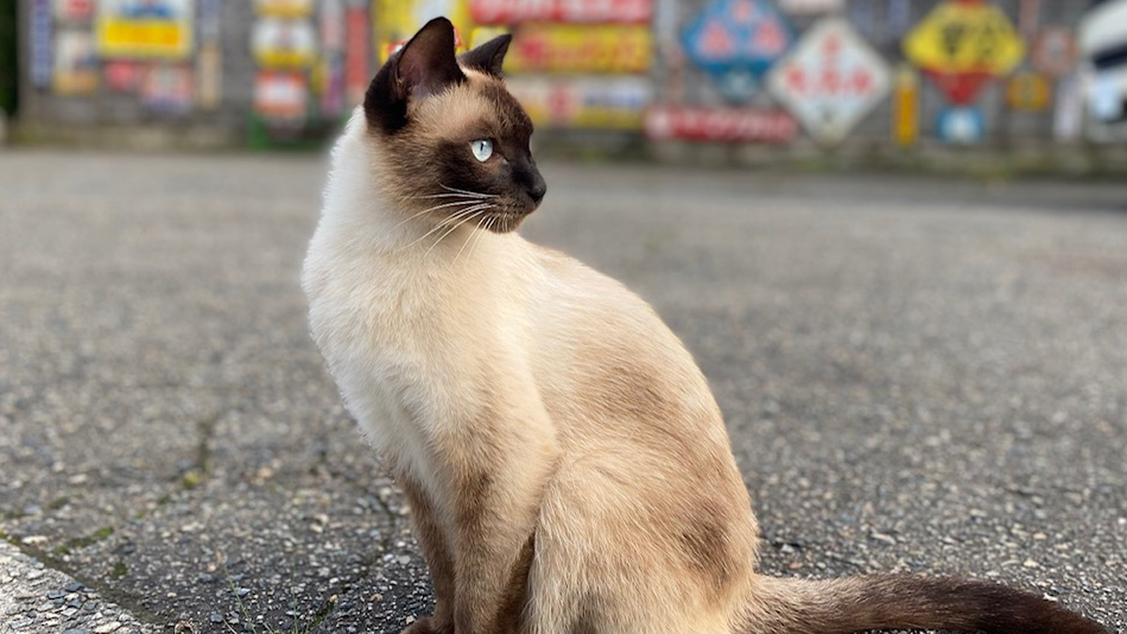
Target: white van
point(1103, 49)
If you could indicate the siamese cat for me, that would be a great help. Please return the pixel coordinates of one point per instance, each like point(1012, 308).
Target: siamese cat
point(567, 467)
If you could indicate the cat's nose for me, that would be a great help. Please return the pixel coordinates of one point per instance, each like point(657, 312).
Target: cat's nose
point(537, 188)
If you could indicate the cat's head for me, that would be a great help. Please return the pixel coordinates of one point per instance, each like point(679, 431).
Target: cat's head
point(451, 137)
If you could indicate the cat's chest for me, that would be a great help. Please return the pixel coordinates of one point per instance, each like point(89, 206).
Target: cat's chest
point(388, 343)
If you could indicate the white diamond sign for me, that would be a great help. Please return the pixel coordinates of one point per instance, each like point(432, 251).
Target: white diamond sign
point(830, 80)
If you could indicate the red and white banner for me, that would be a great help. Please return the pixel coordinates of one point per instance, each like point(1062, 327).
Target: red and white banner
point(587, 11)
point(720, 124)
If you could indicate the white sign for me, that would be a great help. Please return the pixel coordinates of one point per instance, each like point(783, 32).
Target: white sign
point(830, 80)
point(801, 7)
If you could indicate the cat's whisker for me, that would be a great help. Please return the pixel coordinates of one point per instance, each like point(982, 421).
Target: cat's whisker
point(466, 192)
point(475, 236)
point(488, 225)
point(452, 230)
point(454, 218)
point(449, 195)
point(436, 208)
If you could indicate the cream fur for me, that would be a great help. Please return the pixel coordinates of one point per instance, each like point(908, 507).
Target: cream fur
point(593, 413)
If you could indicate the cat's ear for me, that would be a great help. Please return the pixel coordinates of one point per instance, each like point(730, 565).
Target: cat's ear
point(426, 65)
point(489, 57)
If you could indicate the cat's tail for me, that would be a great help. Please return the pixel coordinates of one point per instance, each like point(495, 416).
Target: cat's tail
point(857, 604)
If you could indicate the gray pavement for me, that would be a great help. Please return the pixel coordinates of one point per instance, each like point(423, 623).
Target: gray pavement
point(918, 375)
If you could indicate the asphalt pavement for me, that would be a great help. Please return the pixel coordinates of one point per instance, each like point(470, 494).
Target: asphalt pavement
point(918, 375)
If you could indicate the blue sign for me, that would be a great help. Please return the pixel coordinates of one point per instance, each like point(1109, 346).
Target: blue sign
point(737, 41)
point(41, 58)
point(961, 125)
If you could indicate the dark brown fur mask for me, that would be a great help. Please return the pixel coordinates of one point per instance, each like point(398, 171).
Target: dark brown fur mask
point(450, 133)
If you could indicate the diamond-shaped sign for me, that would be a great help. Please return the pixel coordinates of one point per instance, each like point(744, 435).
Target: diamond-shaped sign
point(736, 41)
point(962, 44)
point(831, 80)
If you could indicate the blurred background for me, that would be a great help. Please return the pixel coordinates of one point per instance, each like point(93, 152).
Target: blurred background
point(1031, 84)
point(893, 233)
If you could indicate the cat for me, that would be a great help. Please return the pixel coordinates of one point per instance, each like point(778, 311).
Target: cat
point(566, 464)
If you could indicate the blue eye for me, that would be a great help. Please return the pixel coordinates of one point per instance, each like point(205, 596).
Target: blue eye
point(482, 149)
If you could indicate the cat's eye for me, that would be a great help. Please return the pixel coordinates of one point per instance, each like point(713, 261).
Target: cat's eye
point(482, 149)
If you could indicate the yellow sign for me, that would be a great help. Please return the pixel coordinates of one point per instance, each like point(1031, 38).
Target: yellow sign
point(284, 8)
point(1028, 92)
point(906, 106)
point(397, 20)
point(585, 101)
point(574, 48)
point(965, 37)
point(157, 28)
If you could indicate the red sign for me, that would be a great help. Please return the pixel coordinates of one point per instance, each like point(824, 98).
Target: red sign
point(589, 11)
point(720, 124)
point(1054, 51)
point(356, 54)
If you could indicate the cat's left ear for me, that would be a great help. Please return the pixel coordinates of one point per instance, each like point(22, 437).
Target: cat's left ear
point(489, 57)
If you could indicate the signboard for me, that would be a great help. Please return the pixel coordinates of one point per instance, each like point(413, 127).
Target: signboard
point(736, 41)
point(830, 80)
point(75, 63)
point(41, 43)
point(906, 106)
point(961, 125)
point(356, 53)
point(807, 7)
point(584, 102)
point(209, 61)
point(397, 20)
point(281, 43)
point(749, 125)
point(1028, 92)
point(123, 75)
point(1054, 51)
point(145, 28)
point(74, 10)
point(580, 48)
point(588, 11)
point(962, 44)
point(168, 88)
point(284, 8)
point(281, 95)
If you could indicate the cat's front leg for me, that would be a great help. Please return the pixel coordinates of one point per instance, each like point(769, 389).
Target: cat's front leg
point(436, 551)
point(497, 496)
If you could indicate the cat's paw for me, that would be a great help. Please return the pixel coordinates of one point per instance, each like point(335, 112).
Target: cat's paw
point(428, 625)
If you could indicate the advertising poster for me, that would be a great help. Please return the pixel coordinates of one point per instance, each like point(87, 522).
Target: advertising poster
point(744, 125)
point(573, 11)
point(962, 45)
point(584, 102)
point(73, 10)
point(123, 75)
point(209, 61)
point(736, 42)
point(281, 96)
point(76, 63)
point(167, 88)
point(575, 48)
point(831, 80)
point(398, 20)
point(284, 8)
point(283, 43)
point(41, 41)
point(356, 54)
point(145, 28)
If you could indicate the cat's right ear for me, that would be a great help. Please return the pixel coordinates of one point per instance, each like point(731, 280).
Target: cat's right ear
point(425, 66)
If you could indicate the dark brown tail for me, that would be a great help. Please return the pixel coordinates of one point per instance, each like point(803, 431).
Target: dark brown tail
point(857, 604)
